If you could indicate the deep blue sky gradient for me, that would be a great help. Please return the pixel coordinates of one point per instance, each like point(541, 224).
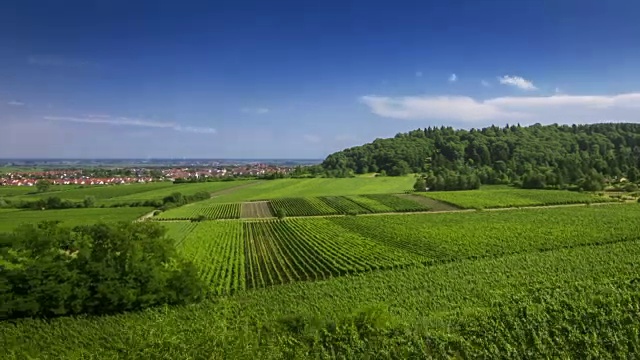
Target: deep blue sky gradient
point(284, 78)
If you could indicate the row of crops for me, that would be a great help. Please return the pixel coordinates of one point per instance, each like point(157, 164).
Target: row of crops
point(195, 211)
point(464, 301)
point(310, 206)
point(354, 204)
point(239, 255)
point(505, 198)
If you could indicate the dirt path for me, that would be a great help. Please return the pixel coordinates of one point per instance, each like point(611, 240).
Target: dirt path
point(146, 216)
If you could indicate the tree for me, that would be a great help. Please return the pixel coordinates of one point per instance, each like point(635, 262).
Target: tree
point(280, 214)
point(633, 174)
point(89, 201)
point(49, 270)
point(420, 184)
point(43, 185)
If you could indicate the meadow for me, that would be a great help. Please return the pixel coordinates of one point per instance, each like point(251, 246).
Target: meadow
point(110, 194)
point(489, 197)
point(300, 188)
point(11, 218)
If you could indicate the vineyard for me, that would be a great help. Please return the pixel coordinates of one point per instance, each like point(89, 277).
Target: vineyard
point(277, 252)
point(196, 210)
point(218, 251)
point(565, 269)
point(503, 198)
point(345, 205)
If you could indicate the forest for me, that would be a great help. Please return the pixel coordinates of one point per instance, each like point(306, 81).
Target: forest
point(535, 156)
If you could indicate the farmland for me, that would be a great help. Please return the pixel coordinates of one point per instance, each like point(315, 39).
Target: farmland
point(210, 211)
point(111, 194)
point(496, 198)
point(71, 217)
point(300, 188)
point(434, 274)
point(524, 270)
point(277, 252)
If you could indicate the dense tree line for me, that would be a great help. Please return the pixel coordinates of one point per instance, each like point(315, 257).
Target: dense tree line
point(48, 270)
point(536, 156)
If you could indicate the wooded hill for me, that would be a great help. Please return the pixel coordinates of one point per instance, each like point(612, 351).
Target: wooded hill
point(537, 155)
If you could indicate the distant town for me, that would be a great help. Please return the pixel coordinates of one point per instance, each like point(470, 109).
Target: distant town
point(77, 172)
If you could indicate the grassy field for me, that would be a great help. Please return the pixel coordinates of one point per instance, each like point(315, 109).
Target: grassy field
point(72, 217)
point(294, 188)
point(108, 194)
point(561, 281)
point(500, 197)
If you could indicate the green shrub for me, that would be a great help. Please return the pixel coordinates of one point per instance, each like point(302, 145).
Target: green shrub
point(49, 270)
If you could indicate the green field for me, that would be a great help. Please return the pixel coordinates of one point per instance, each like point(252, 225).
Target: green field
point(474, 284)
point(71, 217)
point(276, 252)
point(495, 198)
point(296, 188)
point(566, 277)
point(110, 194)
point(210, 211)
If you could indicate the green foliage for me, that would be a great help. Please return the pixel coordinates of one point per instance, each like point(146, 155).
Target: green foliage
point(551, 155)
point(43, 185)
point(95, 269)
point(420, 185)
point(280, 214)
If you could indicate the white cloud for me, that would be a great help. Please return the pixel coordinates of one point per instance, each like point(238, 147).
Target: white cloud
point(15, 103)
point(257, 111)
point(485, 83)
point(453, 78)
point(530, 109)
point(312, 138)
point(419, 74)
point(123, 121)
point(518, 82)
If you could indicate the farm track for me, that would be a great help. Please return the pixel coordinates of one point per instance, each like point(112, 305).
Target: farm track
point(441, 211)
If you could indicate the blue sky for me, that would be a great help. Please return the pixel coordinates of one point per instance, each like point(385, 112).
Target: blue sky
point(301, 79)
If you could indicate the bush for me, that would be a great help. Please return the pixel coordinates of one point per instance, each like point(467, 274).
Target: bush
point(49, 270)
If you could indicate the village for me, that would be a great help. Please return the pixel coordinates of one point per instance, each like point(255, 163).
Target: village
point(118, 176)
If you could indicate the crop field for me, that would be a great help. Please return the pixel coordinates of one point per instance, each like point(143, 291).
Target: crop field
point(255, 209)
point(71, 217)
point(278, 252)
point(195, 210)
point(483, 199)
point(179, 230)
point(352, 204)
point(398, 203)
point(561, 288)
point(303, 188)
